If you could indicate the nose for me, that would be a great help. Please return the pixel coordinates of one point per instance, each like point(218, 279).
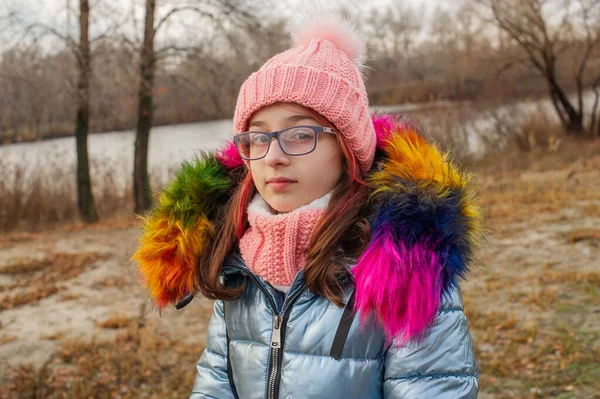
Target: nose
point(275, 155)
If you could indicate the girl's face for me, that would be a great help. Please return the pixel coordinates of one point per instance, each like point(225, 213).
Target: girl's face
point(308, 176)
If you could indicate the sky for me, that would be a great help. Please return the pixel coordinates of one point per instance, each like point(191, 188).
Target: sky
point(52, 12)
point(52, 8)
point(55, 4)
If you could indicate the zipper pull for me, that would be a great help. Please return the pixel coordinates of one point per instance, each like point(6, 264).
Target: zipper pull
point(276, 336)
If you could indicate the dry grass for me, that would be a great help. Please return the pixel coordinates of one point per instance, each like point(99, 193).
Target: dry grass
point(538, 131)
point(115, 322)
point(5, 339)
point(26, 266)
point(586, 234)
point(548, 353)
point(52, 336)
point(28, 297)
point(517, 361)
point(571, 153)
point(111, 282)
point(515, 195)
point(9, 240)
point(70, 297)
point(35, 279)
point(138, 364)
point(48, 200)
point(569, 277)
point(530, 326)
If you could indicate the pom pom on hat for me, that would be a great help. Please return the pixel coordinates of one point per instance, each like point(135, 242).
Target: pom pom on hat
point(331, 26)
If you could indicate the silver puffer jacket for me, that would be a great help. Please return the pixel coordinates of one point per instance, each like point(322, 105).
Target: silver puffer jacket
point(280, 347)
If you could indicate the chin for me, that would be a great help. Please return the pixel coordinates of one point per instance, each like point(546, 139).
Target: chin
point(282, 208)
point(281, 203)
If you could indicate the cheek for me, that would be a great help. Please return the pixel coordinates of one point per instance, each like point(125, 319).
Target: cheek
point(257, 173)
point(325, 168)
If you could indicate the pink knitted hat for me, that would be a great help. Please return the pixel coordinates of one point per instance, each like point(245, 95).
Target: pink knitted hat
point(322, 71)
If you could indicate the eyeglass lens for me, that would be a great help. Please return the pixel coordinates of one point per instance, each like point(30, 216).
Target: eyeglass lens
point(296, 141)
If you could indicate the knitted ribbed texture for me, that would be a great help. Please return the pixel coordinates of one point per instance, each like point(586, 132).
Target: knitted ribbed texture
point(319, 76)
point(275, 246)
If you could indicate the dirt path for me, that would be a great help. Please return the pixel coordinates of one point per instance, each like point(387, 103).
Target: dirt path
point(534, 305)
point(91, 303)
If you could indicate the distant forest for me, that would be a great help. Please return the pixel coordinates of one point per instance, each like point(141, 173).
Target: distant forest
point(463, 54)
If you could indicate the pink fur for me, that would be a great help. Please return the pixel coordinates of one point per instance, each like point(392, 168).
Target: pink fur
point(400, 285)
point(388, 125)
point(331, 26)
point(229, 156)
point(385, 125)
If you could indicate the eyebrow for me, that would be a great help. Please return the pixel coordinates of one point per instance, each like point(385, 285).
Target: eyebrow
point(291, 119)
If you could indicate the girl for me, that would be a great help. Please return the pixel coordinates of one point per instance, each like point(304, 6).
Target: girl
point(331, 241)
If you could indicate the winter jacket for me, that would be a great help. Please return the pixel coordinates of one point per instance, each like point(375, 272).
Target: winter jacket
point(292, 357)
point(403, 331)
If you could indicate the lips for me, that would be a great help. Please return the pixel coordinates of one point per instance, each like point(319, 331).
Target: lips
point(280, 184)
point(280, 180)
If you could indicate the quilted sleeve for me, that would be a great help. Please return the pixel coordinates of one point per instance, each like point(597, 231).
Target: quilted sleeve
point(211, 380)
point(442, 365)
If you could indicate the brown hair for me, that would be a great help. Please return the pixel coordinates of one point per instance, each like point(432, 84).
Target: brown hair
point(339, 237)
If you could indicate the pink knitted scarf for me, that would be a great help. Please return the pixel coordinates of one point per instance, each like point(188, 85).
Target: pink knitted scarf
point(275, 246)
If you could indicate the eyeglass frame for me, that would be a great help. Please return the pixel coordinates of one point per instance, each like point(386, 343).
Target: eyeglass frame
point(276, 134)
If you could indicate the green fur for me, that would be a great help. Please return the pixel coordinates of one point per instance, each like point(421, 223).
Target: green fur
point(199, 188)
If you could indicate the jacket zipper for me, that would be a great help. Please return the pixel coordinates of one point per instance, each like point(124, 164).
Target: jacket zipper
point(274, 360)
point(277, 342)
point(278, 333)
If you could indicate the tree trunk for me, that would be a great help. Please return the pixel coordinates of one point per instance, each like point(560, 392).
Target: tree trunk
point(141, 180)
point(85, 198)
point(574, 122)
point(595, 130)
point(559, 111)
point(595, 123)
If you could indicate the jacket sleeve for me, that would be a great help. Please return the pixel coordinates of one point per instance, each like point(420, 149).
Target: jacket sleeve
point(442, 365)
point(211, 380)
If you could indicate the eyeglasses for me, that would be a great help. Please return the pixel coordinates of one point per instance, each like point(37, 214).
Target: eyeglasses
point(294, 141)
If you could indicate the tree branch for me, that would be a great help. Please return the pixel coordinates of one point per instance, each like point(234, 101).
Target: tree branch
point(161, 53)
point(177, 10)
point(68, 40)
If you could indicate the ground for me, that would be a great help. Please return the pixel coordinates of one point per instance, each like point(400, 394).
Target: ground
point(76, 322)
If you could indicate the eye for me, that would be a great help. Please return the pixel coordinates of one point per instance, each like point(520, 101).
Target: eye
point(301, 135)
point(259, 139)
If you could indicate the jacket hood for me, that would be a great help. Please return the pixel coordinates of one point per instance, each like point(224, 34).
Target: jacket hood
point(425, 228)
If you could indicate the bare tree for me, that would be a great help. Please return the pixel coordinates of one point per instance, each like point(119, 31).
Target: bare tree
point(545, 41)
point(392, 33)
point(141, 180)
point(595, 124)
point(85, 198)
point(393, 30)
point(26, 92)
point(80, 48)
point(215, 11)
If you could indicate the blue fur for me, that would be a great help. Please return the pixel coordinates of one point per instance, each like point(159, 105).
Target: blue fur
point(418, 215)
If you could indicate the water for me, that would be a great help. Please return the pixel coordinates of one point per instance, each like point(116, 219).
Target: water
point(170, 145)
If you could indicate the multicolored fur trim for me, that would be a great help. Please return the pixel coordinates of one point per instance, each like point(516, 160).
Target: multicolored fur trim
point(181, 227)
point(425, 229)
